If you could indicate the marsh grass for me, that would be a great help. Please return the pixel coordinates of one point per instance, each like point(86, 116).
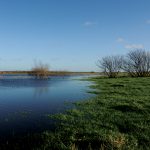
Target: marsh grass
point(117, 118)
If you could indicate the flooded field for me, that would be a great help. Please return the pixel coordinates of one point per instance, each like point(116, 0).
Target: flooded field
point(26, 102)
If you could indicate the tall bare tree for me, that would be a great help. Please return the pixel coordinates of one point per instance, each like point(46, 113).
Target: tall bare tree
point(111, 65)
point(137, 63)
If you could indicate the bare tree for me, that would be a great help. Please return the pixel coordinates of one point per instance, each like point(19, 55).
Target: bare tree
point(40, 71)
point(111, 65)
point(137, 63)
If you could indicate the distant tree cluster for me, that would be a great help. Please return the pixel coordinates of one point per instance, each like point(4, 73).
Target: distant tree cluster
point(136, 63)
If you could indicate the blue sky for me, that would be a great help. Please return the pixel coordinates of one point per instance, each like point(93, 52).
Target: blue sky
point(70, 34)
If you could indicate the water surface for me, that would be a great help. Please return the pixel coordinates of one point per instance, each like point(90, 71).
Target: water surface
point(26, 102)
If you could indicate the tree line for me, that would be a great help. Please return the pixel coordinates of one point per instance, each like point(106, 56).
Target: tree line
point(136, 63)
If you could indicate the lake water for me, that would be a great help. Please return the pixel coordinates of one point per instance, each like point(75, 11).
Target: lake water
point(26, 102)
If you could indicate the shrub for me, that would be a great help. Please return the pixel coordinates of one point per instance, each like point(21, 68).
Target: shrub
point(40, 71)
point(111, 65)
point(137, 63)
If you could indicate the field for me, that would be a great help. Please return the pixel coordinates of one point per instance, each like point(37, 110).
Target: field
point(117, 118)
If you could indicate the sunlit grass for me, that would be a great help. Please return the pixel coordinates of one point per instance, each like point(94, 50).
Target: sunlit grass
point(117, 118)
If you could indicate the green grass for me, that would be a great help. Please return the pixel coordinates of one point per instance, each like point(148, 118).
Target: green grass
point(118, 117)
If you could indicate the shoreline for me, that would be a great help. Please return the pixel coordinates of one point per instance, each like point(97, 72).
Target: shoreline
point(51, 73)
point(108, 120)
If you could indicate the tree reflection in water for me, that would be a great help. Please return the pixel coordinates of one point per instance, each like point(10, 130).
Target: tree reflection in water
point(42, 87)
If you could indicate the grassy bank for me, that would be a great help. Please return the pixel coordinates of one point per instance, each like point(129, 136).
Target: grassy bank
point(117, 118)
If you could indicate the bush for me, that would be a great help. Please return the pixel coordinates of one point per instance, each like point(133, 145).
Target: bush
point(111, 65)
point(137, 63)
point(40, 71)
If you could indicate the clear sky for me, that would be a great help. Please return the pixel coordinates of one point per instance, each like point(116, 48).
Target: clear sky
point(70, 34)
